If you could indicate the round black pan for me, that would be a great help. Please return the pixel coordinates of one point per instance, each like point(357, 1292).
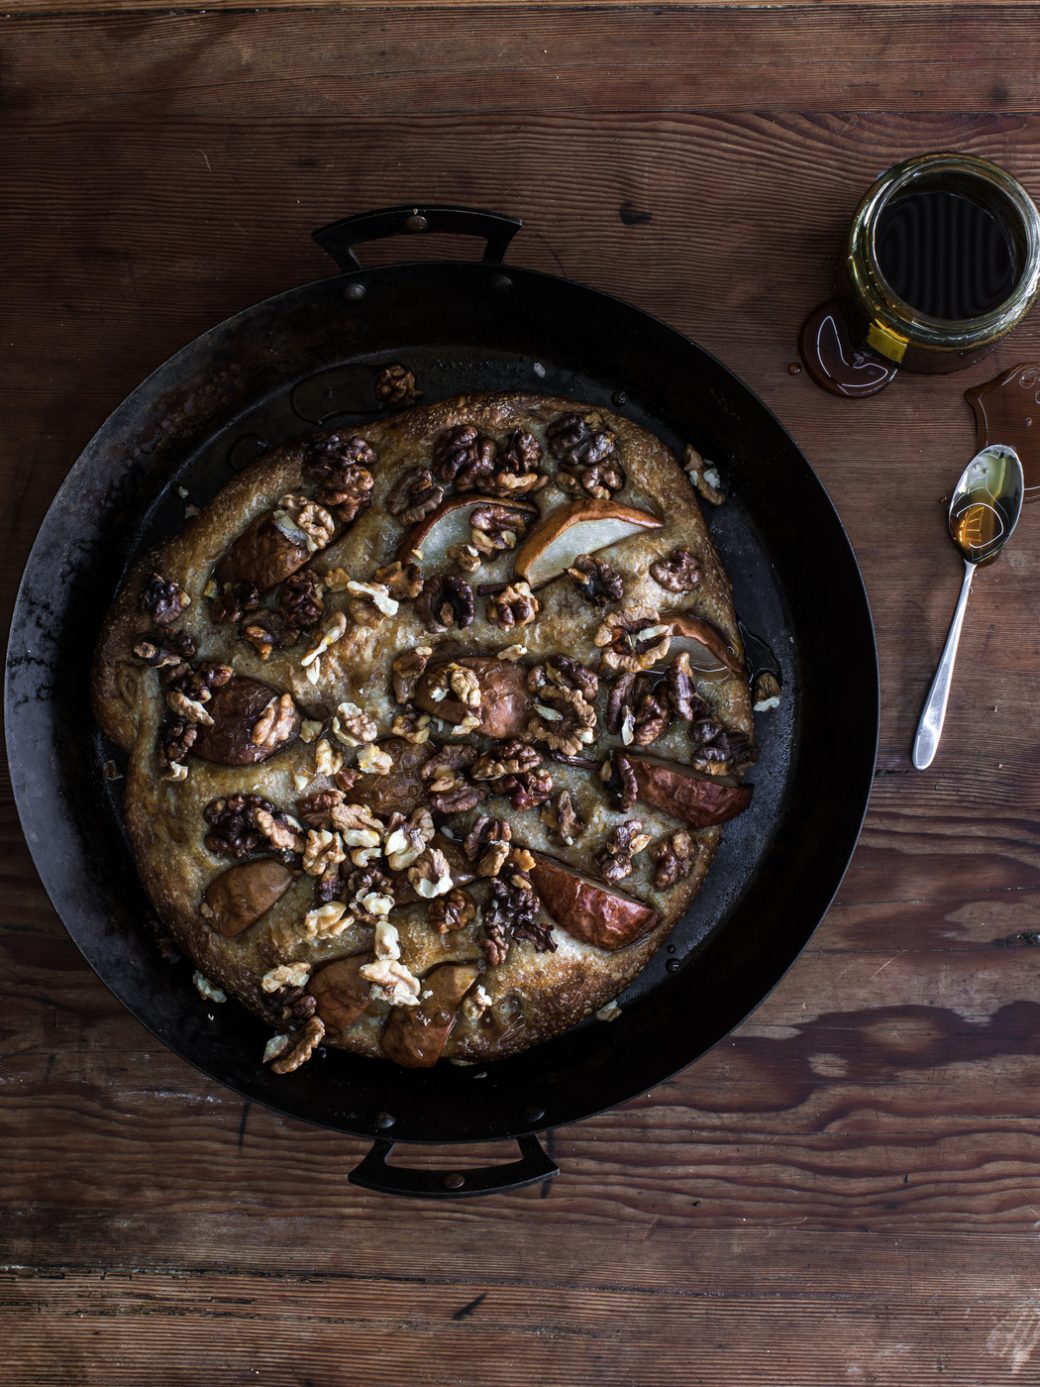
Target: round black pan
point(308, 357)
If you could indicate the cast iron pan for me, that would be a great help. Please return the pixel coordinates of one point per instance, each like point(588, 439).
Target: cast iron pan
point(305, 358)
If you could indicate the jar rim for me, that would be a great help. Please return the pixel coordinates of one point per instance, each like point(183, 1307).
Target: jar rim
point(880, 301)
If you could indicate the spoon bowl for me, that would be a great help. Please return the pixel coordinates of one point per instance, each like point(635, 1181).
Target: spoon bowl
point(986, 503)
point(984, 510)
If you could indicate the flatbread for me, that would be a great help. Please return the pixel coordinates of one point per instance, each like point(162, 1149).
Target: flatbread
point(545, 983)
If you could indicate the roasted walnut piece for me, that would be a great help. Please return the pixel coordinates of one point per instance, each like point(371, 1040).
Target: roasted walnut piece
point(164, 649)
point(267, 631)
point(494, 528)
point(569, 674)
point(704, 476)
point(562, 819)
point(402, 581)
point(526, 790)
point(494, 942)
point(298, 515)
point(679, 684)
point(463, 455)
point(326, 456)
point(483, 833)
point(162, 599)
point(234, 601)
point(176, 739)
point(415, 496)
point(512, 909)
point(580, 440)
point(507, 758)
point(675, 856)
point(243, 826)
point(449, 788)
point(451, 912)
point(350, 495)
point(316, 810)
point(515, 605)
point(407, 667)
point(624, 842)
point(299, 600)
point(717, 751)
point(563, 720)
point(766, 691)
point(446, 601)
point(407, 838)
point(517, 469)
point(395, 386)
point(619, 779)
point(276, 724)
point(679, 572)
point(633, 639)
point(565, 717)
point(444, 767)
point(587, 453)
point(597, 582)
point(299, 1046)
point(637, 709)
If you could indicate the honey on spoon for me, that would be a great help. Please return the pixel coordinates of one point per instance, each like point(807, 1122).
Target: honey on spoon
point(984, 510)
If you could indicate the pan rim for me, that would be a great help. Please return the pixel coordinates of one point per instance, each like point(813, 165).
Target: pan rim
point(169, 370)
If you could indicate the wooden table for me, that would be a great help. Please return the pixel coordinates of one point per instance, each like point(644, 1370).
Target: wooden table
point(846, 1190)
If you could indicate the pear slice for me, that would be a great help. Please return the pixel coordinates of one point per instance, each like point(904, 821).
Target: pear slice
point(580, 527)
point(415, 1036)
point(234, 710)
point(588, 910)
point(448, 525)
point(682, 793)
point(341, 993)
point(506, 704)
point(708, 649)
point(244, 894)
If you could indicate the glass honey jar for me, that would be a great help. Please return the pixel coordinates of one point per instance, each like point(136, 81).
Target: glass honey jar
point(942, 260)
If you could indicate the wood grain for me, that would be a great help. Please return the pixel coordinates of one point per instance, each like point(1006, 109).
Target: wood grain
point(317, 65)
point(845, 1189)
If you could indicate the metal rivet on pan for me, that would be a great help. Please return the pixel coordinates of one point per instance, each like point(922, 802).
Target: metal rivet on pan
point(533, 1113)
point(619, 398)
point(416, 222)
point(454, 1181)
point(673, 965)
point(502, 282)
point(385, 1120)
point(354, 291)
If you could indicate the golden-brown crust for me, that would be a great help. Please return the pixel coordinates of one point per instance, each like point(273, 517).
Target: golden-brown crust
point(532, 995)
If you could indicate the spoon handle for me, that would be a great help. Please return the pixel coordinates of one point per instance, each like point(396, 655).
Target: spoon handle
point(929, 728)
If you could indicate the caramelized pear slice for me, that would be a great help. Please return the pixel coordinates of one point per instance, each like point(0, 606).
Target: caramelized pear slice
point(506, 704)
point(588, 910)
point(243, 894)
point(262, 555)
point(699, 800)
point(341, 993)
point(580, 527)
point(415, 1036)
point(708, 648)
point(235, 709)
point(449, 524)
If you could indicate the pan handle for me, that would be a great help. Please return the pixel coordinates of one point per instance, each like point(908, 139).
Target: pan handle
point(375, 1173)
point(338, 239)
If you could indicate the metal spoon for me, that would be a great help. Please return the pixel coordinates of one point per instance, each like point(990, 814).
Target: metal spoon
point(984, 511)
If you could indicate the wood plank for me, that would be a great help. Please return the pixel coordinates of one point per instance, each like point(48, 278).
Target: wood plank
point(366, 65)
point(512, 8)
point(440, 1339)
